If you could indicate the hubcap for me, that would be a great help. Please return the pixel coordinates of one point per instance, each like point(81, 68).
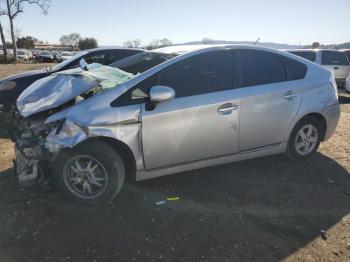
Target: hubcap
point(306, 139)
point(85, 177)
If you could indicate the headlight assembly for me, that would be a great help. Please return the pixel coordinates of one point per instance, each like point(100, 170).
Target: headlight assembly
point(7, 85)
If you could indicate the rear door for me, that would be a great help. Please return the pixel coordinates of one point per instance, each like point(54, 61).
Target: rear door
point(268, 101)
point(337, 62)
point(201, 122)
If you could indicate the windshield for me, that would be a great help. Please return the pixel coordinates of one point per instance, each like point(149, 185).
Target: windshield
point(21, 52)
point(45, 53)
point(142, 62)
point(68, 61)
point(66, 54)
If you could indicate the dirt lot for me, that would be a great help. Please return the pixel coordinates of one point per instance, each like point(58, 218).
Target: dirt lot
point(264, 209)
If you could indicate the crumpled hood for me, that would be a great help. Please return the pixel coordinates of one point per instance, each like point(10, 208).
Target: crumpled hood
point(59, 88)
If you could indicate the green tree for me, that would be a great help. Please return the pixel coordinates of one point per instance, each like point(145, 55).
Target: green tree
point(26, 42)
point(87, 43)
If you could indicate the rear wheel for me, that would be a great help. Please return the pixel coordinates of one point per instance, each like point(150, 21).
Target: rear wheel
point(305, 139)
point(91, 173)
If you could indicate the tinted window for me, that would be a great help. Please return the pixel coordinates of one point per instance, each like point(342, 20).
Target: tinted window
point(203, 73)
point(200, 74)
point(309, 55)
point(334, 58)
point(96, 58)
point(260, 67)
point(295, 70)
point(115, 55)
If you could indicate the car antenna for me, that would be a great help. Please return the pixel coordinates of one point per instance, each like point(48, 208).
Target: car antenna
point(257, 41)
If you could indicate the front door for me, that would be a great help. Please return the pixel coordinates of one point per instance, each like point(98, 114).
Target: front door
point(201, 122)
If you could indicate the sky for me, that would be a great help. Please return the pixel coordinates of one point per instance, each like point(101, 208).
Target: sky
point(112, 22)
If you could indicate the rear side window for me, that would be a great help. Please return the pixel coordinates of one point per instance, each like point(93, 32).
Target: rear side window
point(334, 58)
point(309, 55)
point(294, 69)
point(260, 67)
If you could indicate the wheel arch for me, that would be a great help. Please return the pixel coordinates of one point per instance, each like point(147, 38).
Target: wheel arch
point(315, 115)
point(124, 151)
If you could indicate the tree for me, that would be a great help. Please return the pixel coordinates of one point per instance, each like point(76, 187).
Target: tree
point(15, 7)
point(71, 40)
point(87, 43)
point(158, 43)
point(207, 40)
point(135, 43)
point(26, 42)
point(2, 36)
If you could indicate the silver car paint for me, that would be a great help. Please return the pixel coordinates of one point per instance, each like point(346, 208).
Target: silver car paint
point(174, 140)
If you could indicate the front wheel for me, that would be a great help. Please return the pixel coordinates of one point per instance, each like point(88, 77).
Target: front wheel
point(91, 173)
point(305, 139)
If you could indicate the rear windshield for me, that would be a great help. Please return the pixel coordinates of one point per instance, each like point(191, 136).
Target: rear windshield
point(45, 53)
point(334, 58)
point(309, 55)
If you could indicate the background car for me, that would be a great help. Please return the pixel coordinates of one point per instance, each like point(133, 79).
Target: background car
point(45, 56)
point(334, 60)
point(23, 55)
point(64, 56)
point(11, 87)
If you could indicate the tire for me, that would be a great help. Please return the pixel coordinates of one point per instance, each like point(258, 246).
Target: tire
point(311, 144)
point(92, 173)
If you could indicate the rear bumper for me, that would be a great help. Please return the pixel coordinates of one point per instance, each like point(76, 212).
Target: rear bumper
point(332, 115)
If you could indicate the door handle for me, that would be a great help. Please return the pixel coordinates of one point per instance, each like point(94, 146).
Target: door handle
point(290, 95)
point(226, 109)
point(336, 68)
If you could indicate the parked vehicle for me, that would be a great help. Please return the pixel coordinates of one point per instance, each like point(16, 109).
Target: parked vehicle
point(55, 54)
point(45, 57)
point(171, 110)
point(334, 60)
point(23, 55)
point(64, 56)
point(12, 86)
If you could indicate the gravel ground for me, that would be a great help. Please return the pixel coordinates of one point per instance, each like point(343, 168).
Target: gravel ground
point(265, 209)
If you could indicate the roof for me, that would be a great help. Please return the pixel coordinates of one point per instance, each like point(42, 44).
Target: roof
point(113, 48)
point(312, 50)
point(179, 49)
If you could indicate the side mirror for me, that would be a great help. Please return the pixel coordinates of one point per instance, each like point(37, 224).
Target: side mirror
point(161, 93)
point(83, 64)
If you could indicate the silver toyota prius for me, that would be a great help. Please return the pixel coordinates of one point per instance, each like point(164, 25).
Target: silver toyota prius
point(167, 111)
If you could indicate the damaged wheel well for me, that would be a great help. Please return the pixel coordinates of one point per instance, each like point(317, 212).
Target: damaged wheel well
point(125, 153)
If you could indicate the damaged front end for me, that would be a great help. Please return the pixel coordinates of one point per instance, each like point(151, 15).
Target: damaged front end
point(40, 126)
point(31, 157)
